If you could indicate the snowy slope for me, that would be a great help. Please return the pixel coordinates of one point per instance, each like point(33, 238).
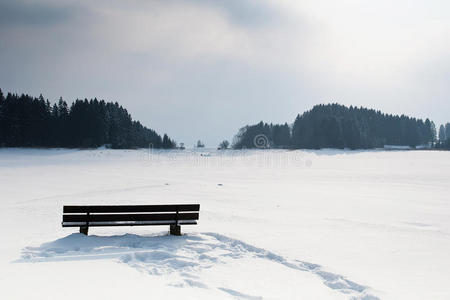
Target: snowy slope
point(273, 224)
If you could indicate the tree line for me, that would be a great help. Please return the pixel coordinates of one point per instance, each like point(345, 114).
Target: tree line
point(444, 137)
point(338, 126)
point(26, 121)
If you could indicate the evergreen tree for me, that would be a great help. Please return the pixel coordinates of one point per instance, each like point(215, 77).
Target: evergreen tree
point(2, 119)
point(442, 133)
point(447, 131)
point(34, 122)
point(224, 145)
point(167, 143)
point(338, 126)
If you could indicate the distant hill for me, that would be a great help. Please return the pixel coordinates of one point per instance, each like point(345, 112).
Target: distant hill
point(338, 126)
point(26, 121)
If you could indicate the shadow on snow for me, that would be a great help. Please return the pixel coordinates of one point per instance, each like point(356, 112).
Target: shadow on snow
point(187, 254)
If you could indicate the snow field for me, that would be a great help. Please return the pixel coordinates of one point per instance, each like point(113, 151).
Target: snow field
point(273, 224)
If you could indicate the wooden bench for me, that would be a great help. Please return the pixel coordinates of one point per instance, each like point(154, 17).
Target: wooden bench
point(86, 216)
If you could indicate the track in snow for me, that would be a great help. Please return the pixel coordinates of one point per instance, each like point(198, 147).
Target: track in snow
point(186, 256)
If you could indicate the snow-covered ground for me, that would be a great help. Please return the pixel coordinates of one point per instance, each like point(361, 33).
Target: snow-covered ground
point(273, 225)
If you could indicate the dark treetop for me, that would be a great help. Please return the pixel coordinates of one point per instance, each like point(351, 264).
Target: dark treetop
point(33, 122)
point(338, 126)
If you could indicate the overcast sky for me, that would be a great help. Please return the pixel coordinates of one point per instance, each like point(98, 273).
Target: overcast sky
point(201, 69)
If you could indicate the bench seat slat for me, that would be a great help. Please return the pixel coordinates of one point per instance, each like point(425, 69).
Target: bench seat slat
point(129, 223)
point(129, 208)
point(129, 217)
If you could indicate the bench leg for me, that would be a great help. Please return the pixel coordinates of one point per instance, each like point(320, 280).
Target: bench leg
point(84, 230)
point(175, 229)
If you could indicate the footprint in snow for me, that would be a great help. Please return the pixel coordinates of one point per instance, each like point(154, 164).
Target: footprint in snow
point(185, 256)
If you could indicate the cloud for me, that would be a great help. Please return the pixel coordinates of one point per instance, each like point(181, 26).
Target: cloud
point(33, 13)
point(256, 33)
point(226, 63)
point(252, 13)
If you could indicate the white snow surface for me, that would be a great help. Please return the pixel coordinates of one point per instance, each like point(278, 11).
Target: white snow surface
point(274, 224)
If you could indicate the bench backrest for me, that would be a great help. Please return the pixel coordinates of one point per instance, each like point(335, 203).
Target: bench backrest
point(114, 215)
